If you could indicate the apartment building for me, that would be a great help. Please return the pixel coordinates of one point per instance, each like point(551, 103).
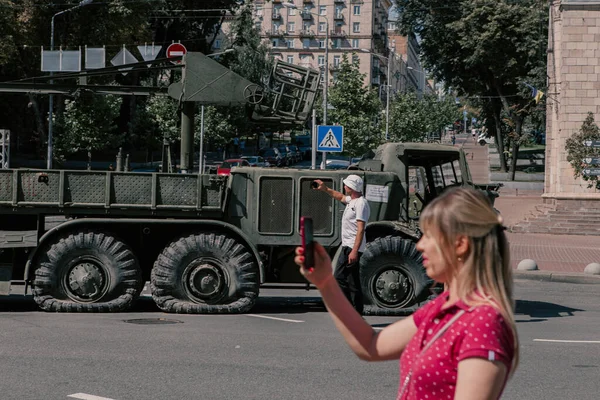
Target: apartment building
point(411, 76)
point(297, 31)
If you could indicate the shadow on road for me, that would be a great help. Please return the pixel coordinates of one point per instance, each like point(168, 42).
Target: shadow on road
point(543, 310)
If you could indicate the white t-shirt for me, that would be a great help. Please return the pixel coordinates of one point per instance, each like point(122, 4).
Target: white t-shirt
point(356, 210)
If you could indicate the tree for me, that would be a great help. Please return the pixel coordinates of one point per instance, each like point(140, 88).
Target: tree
point(355, 107)
point(488, 48)
point(88, 124)
point(583, 157)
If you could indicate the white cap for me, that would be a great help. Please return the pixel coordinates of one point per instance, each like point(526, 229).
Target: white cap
point(354, 182)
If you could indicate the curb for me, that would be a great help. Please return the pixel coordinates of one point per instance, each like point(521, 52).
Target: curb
point(547, 276)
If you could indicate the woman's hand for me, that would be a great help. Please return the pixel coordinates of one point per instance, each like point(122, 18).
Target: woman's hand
point(322, 271)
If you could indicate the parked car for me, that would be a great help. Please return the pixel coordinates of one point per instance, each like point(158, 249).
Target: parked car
point(272, 156)
point(225, 168)
point(304, 142)
point(337, 164)
point(255, 161)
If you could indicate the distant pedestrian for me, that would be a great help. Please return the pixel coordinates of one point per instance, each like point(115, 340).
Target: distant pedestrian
point(453, 139)
point(463, 344)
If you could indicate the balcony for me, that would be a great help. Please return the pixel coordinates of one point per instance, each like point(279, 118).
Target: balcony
point(339, 1)
point(276, 16)
point(307, 33)
point(337, 33)
point(356, 1)
point(307, 16)
point(275, 33)
point(338, 17)
point(308, 1)
point(334, 67)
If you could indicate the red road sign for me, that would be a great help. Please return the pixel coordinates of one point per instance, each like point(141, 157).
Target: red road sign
point(176, 50)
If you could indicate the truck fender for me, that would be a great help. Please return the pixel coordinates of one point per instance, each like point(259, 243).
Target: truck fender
point(393, 228)
point(86, 222)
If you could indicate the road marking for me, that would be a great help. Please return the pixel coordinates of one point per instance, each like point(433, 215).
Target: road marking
point(85, 396)
point(277, 319)
point(566, 341)
point(378, 328)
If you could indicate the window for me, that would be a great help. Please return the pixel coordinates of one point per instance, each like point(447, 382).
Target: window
point(356, 10)
point(321, 60)
point(337, 43)
point(306, 43)
point(259, 11)
point(291, 26)
point(258, 26)
point(275, 42)
point(322, 10)
point(290, 44)
point(355, 43)
point(356, 27)
point(276, 26)
point(291, 11)
point(355, 59)
point(290, 59)
point(306, 27)
point(338, 12)
point(322, 26)
point(217, 44)
point(321, 44)
point(336, 61)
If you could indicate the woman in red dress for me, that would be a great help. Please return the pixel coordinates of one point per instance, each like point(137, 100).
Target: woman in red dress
point(463, 344)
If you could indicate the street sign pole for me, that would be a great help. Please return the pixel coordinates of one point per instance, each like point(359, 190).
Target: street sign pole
point(313, 150)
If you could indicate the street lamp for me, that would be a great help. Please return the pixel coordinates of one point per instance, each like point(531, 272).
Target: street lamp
point(325, 84)
point(388, 91)
point(82, 3)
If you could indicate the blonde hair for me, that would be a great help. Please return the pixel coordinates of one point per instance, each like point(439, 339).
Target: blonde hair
point(485, 276)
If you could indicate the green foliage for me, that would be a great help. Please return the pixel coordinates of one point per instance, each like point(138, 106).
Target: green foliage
point(485, 48)
point(356, 108)
point(578, 152)
point(412, 119)
point(88, 124)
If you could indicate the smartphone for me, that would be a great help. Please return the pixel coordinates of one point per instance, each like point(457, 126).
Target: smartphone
point(308, 243)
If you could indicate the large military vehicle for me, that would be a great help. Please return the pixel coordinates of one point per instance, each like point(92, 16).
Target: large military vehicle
point(207, 243)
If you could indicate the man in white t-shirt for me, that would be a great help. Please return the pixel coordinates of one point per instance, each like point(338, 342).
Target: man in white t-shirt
point(354, 221)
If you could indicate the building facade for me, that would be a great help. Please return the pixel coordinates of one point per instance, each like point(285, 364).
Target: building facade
point(573, 91)
point(355, 28)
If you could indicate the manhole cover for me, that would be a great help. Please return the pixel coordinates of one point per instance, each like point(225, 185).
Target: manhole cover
point(152, 321)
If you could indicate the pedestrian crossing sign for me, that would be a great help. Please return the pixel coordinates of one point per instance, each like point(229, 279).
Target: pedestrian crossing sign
point(330, 138)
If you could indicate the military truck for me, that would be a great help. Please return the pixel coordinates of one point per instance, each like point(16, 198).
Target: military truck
point(207, 243)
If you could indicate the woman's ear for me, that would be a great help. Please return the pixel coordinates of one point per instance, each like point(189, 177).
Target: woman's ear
point(462, 246)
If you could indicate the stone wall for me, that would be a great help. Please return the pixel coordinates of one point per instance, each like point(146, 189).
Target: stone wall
point(574, 90)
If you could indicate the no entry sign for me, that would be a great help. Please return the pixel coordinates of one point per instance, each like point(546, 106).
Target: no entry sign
point(176, 50)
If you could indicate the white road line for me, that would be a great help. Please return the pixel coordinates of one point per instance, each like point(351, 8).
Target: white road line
point(85, 396)
point(277, 319)
point(566, 341)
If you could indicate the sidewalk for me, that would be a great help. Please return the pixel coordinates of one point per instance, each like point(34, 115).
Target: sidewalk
point(552, 253)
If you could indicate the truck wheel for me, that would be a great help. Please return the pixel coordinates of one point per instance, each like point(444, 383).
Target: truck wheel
point(392, 276)
point(87, 272)
point(205, 273)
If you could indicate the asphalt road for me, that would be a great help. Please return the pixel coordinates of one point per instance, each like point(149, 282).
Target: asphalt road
point(287, 349)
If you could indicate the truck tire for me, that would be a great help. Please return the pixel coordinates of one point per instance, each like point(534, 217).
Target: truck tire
point(392, 277)
point(206, 273)
point(87, 272)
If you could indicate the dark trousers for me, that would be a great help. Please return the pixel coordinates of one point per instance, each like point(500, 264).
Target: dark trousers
point(347, 276)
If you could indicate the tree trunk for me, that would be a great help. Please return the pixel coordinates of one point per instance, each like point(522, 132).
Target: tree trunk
point(515, 148)
point(500, 141)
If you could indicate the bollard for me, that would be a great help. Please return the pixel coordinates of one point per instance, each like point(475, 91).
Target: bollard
point(126, 163)
point(592, 269)
point(120, 160)
point(527, 265)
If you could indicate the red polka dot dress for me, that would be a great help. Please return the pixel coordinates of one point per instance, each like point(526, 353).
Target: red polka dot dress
point(480, 332)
